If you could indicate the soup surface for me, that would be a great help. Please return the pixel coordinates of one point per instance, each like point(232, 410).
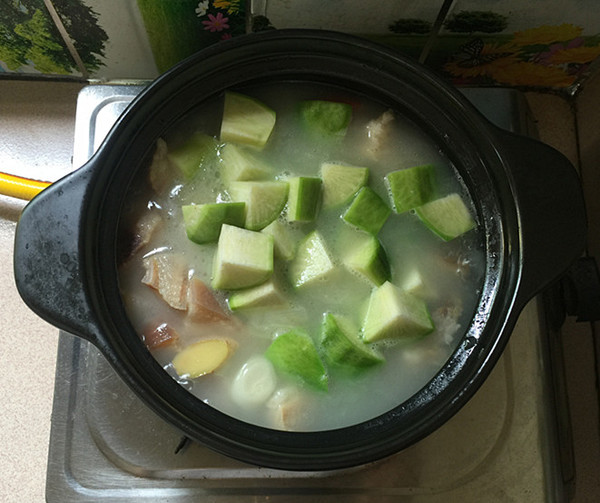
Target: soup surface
point(317, 301)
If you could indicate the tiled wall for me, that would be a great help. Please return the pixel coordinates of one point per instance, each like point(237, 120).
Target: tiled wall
point(539, 43)
point(74, 38)
point(110, 39)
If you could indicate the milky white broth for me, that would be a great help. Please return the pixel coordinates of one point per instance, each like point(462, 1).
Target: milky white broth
point(452, 271)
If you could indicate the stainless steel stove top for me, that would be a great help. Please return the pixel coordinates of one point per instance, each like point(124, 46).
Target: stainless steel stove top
point(106, 445)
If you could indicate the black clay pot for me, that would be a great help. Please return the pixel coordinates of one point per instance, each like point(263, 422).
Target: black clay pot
point(529, 208)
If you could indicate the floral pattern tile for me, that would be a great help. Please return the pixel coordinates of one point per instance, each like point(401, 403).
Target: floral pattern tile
point(544, 56)
point(178, 28)
point(511, 44)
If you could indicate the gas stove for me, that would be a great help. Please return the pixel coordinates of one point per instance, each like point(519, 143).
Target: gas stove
point(506, 444)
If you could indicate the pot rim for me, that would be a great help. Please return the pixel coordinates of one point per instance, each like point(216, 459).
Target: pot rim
point(457, 380)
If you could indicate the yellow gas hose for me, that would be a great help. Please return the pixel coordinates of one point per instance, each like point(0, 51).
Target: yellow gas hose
point(22, 188)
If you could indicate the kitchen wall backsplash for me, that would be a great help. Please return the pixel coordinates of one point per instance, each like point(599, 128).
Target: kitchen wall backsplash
point(550, 44)
point(110, 39)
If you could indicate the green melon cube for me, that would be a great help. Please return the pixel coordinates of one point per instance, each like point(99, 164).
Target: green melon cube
point(341, 182)
point(243, 259)
point(395, 314)
point(341, 346)
point(284, 239)
point(237, 163)
point(203, 221)
point(369, 259)
point(198, 150)
point(304, 198)
point(325, 118)
point(413, 283)
point(246, 120)
point(312, 263)
point(410, 187)
point(265, 295)
point(294, 353)
point(447, 217)
point(264, 201)
point(367, 211)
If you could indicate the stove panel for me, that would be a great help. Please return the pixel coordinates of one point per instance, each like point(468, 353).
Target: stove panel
point(106, 445)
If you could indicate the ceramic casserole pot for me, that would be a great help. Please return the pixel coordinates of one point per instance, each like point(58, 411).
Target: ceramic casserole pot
point(528, 202)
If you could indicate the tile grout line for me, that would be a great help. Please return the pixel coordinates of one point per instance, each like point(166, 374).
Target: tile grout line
point(435, 30)
point(66, 38)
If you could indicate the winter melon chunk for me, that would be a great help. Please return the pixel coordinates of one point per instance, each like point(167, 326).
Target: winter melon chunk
point(325, 118)
point(312, 263)
point(237, 163)
point(304, 198)
point(294, 353)
point(264, 201)
point(393, 313)
point(203, 221)
point(265, 295)
point(448, 217)
point(243, 259)
point(246, 120)
point(410, 187)
point(369, 259)
point(341, 182)
point(342, 347)
point(190, 156)
point(285, 239)
point(367, 211)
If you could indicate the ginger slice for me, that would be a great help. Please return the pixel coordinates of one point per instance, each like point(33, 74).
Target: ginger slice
point(202, 357)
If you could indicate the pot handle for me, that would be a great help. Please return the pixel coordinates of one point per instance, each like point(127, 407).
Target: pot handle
point(48, 256)
point(551, 209)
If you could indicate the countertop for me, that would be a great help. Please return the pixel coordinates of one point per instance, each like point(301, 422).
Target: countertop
point(36, 138)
